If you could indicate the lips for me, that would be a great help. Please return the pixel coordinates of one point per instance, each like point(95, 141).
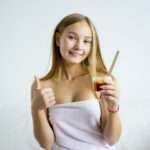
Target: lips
point(75, 53)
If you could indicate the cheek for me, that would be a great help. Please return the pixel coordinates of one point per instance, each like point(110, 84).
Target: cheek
point(67, 44)
point(86, 54)
point(87, 51)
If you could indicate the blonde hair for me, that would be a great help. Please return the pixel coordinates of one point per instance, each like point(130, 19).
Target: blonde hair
point(56, 57)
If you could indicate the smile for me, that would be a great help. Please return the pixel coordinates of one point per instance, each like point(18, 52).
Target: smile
point(76, 53)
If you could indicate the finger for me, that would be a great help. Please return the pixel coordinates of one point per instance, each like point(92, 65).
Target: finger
point(50, 103)
point(98, 93)
point(37, 81)
point(47, 91)
point(108, 87)
point(111, 99)
point(112, 102)
point(50, 97)
point(109, 93)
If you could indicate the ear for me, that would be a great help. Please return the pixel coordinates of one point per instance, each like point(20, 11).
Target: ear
point(57, 38)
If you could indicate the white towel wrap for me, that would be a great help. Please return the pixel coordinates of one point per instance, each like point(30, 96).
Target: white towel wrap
point(76, 126)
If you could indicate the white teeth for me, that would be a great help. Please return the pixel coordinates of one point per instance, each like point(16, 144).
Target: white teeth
point(76, 53)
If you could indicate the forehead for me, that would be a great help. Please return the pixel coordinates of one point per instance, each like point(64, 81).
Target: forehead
point(81, 28)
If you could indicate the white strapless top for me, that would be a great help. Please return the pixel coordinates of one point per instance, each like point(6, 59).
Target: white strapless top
point(76, 126)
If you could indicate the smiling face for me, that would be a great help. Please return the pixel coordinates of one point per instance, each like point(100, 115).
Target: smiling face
point(75, 42)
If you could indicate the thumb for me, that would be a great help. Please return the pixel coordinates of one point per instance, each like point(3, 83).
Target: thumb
point(37, 82)
point(98, 94)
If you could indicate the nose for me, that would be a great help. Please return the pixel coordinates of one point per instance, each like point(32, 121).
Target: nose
point(79, 45)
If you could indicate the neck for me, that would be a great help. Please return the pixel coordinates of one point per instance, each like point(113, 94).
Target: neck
point(72, 71)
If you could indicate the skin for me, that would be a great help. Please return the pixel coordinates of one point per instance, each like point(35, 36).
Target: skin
point(74, 44)
point(75, 39)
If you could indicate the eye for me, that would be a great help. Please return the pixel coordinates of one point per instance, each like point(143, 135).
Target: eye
point(87, 41)
point(71, 37)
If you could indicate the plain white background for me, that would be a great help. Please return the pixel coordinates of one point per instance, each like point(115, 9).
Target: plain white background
point(26, 28)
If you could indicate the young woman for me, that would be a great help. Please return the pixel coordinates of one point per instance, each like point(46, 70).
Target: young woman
point(67, 112)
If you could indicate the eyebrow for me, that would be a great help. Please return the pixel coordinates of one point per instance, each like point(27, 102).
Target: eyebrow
point(76, 34)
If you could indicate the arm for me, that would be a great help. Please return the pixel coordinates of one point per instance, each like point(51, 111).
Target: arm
point(112, 129)
point(41, 128)
point(110, 122)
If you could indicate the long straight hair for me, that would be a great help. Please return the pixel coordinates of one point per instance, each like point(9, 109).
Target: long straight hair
point(87, 63)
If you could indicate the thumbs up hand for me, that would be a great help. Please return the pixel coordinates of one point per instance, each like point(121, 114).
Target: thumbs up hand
point(42, 98)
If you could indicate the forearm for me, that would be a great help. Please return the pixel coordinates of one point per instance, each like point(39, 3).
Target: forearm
point(42, 130)
point(112, 129)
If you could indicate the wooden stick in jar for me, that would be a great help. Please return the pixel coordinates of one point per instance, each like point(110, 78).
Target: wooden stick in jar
point(113, 62)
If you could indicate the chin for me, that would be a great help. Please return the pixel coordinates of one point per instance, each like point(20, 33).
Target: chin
point(74, 61)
